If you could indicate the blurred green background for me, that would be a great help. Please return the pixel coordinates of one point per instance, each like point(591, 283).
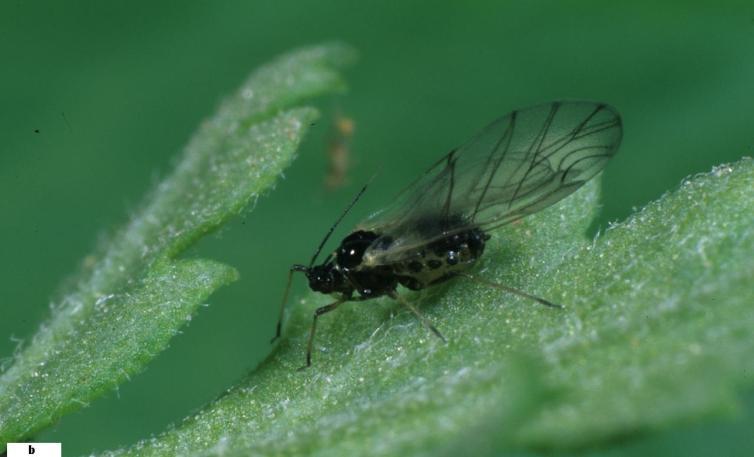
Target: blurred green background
point(98, 98)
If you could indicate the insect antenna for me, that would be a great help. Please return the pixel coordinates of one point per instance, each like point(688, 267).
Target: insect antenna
point(329, 232)
point(304, 269)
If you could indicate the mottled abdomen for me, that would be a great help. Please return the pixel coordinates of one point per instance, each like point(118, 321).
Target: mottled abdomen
point(441, 259)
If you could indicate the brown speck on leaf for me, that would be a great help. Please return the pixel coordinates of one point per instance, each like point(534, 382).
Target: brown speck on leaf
point(339, 151)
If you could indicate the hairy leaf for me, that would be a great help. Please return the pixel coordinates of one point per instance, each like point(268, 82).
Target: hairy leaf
point(656, 331)
point(133, 295)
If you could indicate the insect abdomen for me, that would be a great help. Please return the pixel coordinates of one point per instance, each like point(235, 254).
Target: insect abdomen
point(441, 259)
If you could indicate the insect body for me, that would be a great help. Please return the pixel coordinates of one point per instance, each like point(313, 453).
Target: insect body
point(438, 226)
point(352, 269)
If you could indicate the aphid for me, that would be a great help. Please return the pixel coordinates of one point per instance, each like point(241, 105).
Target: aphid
point(436, 229)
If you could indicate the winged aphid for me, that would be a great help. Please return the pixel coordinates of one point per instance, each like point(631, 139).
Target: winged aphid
point(436, 229)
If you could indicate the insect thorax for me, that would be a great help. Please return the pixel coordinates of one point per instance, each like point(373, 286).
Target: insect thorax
point(373, 281)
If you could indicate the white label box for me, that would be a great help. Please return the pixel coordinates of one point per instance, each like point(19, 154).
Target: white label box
point(34, 449)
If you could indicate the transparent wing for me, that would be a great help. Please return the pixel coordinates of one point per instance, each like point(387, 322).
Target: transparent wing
point(519, 164)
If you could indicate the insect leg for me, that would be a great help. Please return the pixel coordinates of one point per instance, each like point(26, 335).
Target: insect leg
point(279, 327)
point(419, 315)
point(318, 312)
point(511, 290)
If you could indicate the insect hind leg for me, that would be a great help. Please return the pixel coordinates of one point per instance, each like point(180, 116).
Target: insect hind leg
point(511, 290)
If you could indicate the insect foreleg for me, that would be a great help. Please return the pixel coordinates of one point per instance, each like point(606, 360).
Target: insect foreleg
point(511, 290)
point(394, 295)
point(279, 327)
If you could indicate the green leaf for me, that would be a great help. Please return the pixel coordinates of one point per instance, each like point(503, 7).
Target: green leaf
point(656, 331)
point(133, 295)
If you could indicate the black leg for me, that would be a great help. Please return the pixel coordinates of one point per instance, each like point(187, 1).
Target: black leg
point(279, 326)
point(318, 312)
point(425, 322)
point(511, 290)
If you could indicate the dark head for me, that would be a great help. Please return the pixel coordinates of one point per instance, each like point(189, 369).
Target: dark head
point(325, 278)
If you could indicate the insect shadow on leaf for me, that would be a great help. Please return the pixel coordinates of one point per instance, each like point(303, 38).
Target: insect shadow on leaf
point(437, 227)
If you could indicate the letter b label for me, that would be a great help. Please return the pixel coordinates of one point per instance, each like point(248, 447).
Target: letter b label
point(34, 449)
